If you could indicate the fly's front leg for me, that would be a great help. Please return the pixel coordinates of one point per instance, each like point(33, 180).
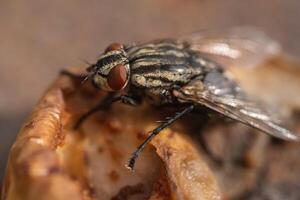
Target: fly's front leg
point(74, 75)
point(155, 132)
point(106, 103)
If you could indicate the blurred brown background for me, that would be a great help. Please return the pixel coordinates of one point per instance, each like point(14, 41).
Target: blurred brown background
point(38, 38)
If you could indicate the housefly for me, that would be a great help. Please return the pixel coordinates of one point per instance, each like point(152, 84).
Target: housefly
point(190, 71)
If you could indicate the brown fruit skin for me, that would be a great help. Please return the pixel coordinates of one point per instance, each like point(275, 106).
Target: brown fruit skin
point(117, 77)
point(113, 46)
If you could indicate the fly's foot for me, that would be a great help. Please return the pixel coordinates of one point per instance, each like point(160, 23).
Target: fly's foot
point(131, 162)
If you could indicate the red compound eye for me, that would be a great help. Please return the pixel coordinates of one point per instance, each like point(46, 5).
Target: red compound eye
point(113, 46)
point(117, 77)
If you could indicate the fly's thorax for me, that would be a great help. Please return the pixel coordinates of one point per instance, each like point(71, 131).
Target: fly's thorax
point(162, 64)
point(112, 71)
point(159, 67)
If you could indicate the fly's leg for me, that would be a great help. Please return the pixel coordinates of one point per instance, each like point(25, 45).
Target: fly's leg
point(155, 132)
point(72, 74)
point(105, 104)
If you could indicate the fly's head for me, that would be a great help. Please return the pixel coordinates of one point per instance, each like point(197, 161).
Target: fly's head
point(111, 72)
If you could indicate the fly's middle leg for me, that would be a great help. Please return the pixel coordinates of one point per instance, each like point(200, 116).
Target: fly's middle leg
point(155, 132)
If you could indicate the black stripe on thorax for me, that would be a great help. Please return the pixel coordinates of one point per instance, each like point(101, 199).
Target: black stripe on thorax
point(162, 67)
point(163, 55)
point(163, 58)
point(159, 46)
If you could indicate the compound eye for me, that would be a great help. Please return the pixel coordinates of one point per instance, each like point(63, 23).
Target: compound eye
point(113, 46)
point(117, 77)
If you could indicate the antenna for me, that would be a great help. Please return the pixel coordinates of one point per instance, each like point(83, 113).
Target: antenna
point(88, 76)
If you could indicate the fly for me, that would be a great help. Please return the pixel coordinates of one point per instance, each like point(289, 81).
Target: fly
point(190, 71)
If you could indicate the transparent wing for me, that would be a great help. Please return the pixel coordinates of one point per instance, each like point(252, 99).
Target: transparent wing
point(222, 95)
point(240, 46)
